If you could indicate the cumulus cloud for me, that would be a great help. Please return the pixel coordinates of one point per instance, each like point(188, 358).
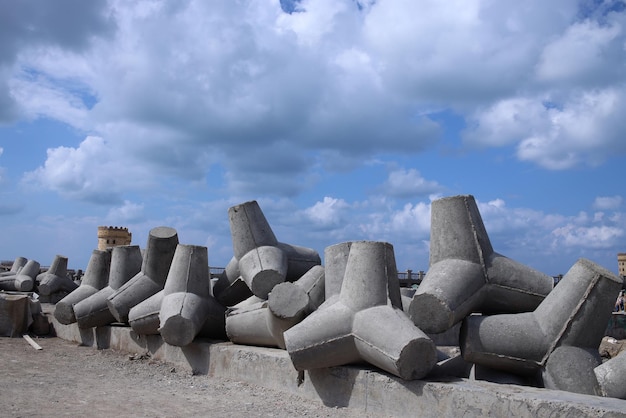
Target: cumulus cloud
point(584, 129)
point(607, 202)
point(128, 212)
point(93, 171)
point(27, 25)
point(589, 53)
point(340, 78)
point(328, 213)
point(588, 237)
point(409, 183)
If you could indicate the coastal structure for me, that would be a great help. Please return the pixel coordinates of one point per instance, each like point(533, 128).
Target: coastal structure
point(113, 236)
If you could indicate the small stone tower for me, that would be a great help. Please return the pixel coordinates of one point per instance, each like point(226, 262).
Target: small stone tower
point(112, 236)
point(621, 265)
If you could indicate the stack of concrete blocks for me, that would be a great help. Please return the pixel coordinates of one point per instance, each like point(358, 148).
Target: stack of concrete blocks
point(185, 308)
point(17, 265)
point(22, 279)
point(263, 263)
point(364, 322)
point(54, 284)
point(259, 260)
point(96, 278)
point(465, 274)
point(558, 341)
point(157, 259)
point(263, 322)
point(93, 311)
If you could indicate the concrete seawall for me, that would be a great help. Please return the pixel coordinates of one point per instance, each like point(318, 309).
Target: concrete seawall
point(358, 387)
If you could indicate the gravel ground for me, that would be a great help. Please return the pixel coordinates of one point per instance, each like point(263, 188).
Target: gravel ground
point(65, 379)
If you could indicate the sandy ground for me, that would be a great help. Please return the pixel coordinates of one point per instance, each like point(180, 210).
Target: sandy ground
point(65, 379)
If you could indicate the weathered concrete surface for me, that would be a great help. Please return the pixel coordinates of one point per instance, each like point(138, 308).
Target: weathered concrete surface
point(94, 311)
point(23, 280)
point(55, 278)
point(17, 265)
point(157, 258)
point(574, 314)
point(96, 278)
point(466, 275)
point(263, 322)
point(361, 323)
point(263, 262)
point(352, 386)
point(611, 376)
point(187, 300)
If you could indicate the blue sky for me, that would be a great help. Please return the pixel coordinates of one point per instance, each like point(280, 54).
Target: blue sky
point(344, 119)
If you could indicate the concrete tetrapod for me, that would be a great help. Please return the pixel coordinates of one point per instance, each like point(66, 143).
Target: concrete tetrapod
point(248, 324)
point(263, 323)
point(611, 376)
point(55, 279)
point(18, 263)
point(157, 258)
point(360, 324)
point(144, 316)
point(263, 261)
point(466, 275)
point(187, 301)
point(96, 277)
point(23, 280)
point(336, 257)
point(94, 311)
point(574, 314)
point(230, 289)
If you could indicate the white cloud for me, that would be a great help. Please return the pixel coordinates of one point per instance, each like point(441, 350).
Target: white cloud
point(506, 122)
point(331, 79)
point(94, 171)
point(328, 213)
point(588, 52)
point(585, 129)
point(412, 220)
point(128, 212)
point(608, 202)
point(588, 237)
point(409, 183)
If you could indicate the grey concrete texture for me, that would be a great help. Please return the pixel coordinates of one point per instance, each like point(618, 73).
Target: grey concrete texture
point(611, 376)
point(18, 263)
point(157, 259)
point(254, 324)
point(302, 297)
point(262, 268)
point(55, 279)
point(256, 321)
point(94, 311)
point(229, 288)
point(24, 278)
point(361, 323)
point(466, 275)
point(574, 314)
point(144, 317)
point(187, 301)
point(249, 228)
point(336, 258)
point(263, 262)
point(572, 369)
point(96, 278)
